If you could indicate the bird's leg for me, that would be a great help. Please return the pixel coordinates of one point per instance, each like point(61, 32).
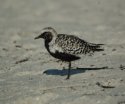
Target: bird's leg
point(68, 76)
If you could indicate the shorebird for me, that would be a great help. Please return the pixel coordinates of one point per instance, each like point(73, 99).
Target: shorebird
point(66, 47)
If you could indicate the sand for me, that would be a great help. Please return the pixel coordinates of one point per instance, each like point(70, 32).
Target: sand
point(24, 61)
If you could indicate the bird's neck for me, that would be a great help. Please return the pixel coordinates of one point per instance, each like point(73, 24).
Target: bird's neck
point(47, 47)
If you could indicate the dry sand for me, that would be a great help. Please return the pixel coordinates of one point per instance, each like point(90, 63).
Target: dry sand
point(23, 60)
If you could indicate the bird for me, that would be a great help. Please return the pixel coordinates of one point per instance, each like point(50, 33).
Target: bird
point(65, 47)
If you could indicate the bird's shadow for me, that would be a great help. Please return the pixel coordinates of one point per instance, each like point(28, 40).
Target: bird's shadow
point(73, 71)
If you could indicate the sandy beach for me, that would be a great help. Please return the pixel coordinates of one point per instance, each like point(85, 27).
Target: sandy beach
point(24, 61)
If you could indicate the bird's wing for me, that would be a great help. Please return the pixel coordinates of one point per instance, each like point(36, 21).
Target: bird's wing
point(70, 44)
point(74, 45)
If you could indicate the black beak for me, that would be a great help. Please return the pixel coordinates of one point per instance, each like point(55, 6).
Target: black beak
point(37, 37)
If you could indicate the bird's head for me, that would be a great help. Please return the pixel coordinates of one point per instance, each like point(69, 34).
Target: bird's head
point(47, 33)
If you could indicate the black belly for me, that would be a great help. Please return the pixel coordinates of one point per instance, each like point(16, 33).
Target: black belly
point(61, 55)
point(65, 56)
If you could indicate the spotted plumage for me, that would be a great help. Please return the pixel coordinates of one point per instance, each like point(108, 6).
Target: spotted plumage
point(67, 47)
point(74, 45)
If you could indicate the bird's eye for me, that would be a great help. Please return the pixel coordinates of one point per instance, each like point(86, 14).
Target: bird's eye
point(47, 35)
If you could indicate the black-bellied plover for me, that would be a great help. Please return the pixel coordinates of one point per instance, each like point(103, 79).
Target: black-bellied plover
point(67, 47)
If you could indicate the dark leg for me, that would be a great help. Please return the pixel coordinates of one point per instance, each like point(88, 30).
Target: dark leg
point(68, 76)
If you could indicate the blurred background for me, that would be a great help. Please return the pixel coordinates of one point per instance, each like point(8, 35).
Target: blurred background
point(87, 17)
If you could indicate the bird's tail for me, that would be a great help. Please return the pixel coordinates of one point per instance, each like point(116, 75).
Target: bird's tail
point(96, 47)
